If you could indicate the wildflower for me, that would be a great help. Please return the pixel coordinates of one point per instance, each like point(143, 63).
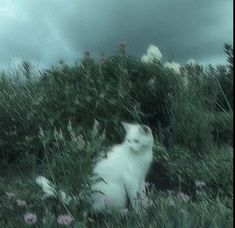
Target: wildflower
point(21, 203)
point(200, 184)
point(145, 59)
point(30, 218)
point(47, 187)
point(65, 219)
point(173, 66)
point(64, 198)
point(153, 53)
point(183, 196)
point(10, 194)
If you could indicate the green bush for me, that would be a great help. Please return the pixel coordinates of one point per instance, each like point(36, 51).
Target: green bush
point(16, 124)
point(196, 118)
point(223, 128)
point(215, 169)
point(53, 119)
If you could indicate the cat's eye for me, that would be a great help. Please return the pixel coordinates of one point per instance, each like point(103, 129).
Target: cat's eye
point(129, 140)
point(136, 141)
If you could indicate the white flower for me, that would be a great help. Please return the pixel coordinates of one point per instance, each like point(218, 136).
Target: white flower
point(30, 218)
point(145, 59)
point(65, 219)
point(183, 196)
point(21, 203)
point(153, 53)
point(173, 66)
point(10, 194)
point(200, 184)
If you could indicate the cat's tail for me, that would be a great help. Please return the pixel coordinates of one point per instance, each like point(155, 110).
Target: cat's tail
point(49, 189)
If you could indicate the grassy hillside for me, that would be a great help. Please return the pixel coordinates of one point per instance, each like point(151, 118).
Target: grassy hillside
point(49, 125)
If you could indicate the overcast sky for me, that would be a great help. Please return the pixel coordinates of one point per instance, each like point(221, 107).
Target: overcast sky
point(44, 31)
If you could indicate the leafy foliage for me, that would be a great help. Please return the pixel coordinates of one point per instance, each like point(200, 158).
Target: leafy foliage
point(49, 124)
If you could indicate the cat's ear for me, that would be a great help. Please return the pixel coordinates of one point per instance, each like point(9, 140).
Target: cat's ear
point(145, 129)
point(126, 125)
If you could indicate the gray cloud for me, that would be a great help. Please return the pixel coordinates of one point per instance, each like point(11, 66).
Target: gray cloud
point(47, 30)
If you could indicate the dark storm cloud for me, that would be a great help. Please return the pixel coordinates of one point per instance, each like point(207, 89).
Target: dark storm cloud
point(45, 31)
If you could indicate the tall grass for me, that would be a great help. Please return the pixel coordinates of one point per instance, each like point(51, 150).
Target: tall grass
point(48, 125)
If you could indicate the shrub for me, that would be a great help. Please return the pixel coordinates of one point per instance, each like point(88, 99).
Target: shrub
point(215, 169)
point(16, 124)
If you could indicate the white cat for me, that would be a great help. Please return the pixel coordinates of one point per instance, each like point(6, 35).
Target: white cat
point(123, 172)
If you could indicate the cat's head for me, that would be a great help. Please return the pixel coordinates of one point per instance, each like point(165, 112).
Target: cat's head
point(139, 137)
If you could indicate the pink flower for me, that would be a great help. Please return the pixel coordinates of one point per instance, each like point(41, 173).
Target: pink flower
point(183, 196)
point(30, 218)
point(65, 219)
point(10, 194)
point(21, 203)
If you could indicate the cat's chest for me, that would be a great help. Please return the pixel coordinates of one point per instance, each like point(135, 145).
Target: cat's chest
point(136, 165)
point(119, 165)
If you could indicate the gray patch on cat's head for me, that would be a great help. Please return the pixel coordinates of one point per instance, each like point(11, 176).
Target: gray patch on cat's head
point(138, 137)
point(145, 129)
